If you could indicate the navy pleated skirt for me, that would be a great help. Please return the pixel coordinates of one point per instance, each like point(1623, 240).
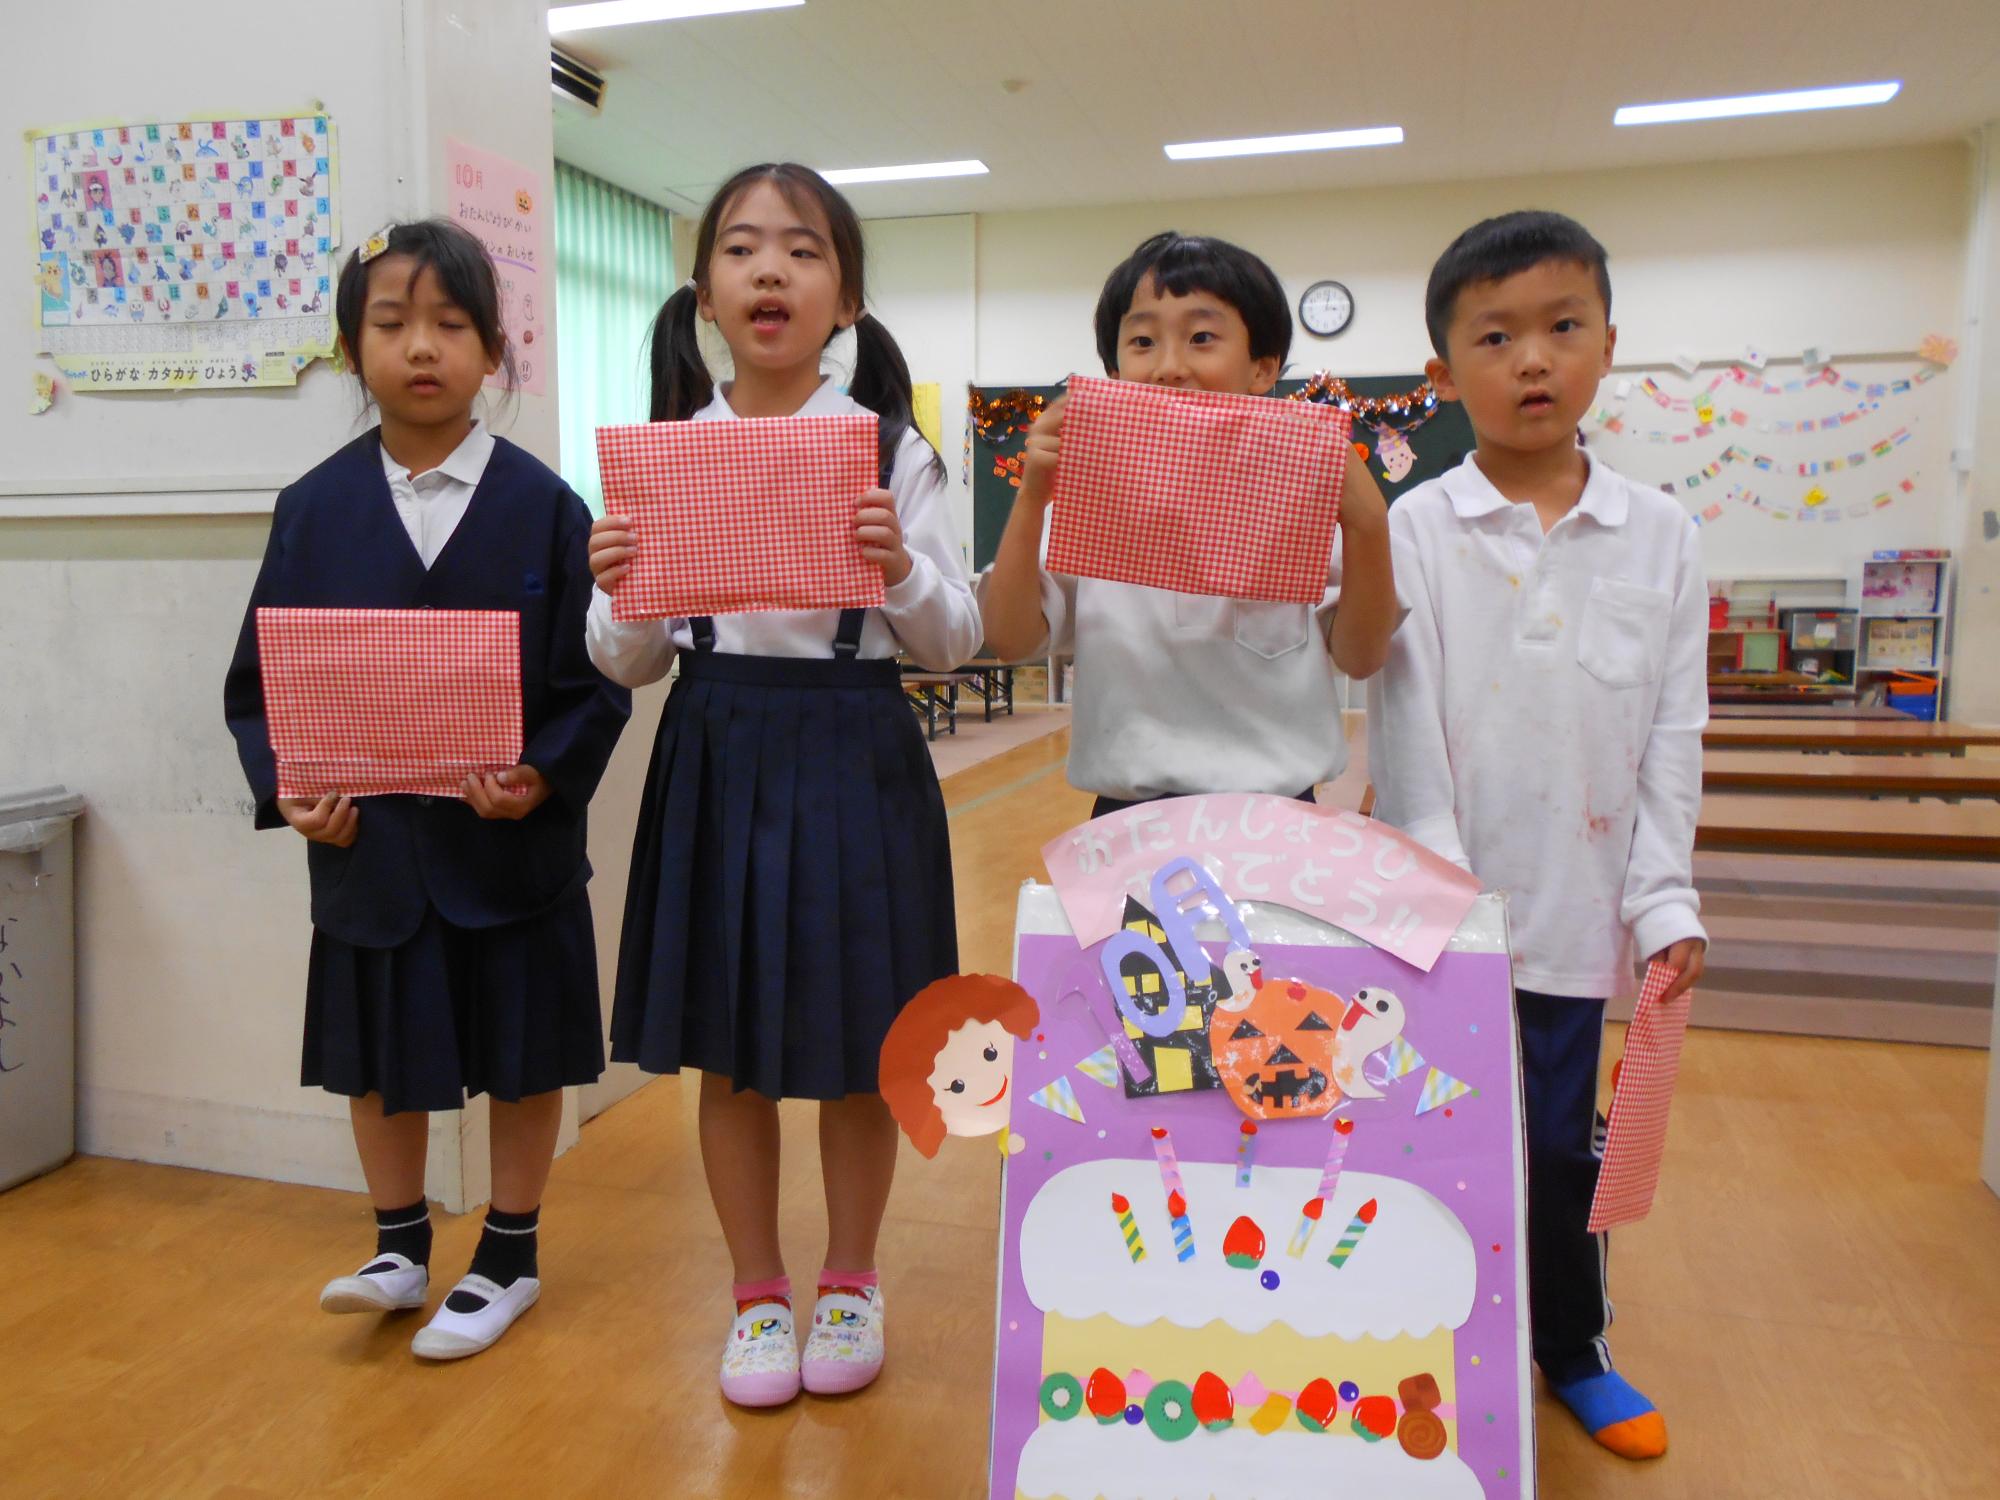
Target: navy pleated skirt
point(508, 1011)
point(791, 877)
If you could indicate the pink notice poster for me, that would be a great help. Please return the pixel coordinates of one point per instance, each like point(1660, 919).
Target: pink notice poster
point(501, 201)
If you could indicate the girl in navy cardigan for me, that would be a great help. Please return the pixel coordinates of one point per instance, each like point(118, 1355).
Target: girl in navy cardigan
point(452, 947)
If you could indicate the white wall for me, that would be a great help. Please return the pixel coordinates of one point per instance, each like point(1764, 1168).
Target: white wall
point(1861, 251)
point(920, 279)
point(192, 929)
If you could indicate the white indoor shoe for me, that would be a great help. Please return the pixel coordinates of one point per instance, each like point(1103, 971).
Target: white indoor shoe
point(454, 1335)
point(385, 1284)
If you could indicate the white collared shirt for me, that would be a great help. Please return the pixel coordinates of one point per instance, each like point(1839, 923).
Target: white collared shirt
point(930, 614)
point(434, 502)
point(1540, 716)
point(1186, 693)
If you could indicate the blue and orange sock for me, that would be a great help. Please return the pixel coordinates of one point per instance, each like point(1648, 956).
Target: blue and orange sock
point(1614, 1413)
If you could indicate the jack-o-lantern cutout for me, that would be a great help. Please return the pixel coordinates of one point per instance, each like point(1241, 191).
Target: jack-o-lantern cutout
point(1276, 1055)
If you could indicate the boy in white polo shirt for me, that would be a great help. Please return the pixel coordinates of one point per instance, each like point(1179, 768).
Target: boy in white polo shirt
point(1182, 693)
point(1539, 721)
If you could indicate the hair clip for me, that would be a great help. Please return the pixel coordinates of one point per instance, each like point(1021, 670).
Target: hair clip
point(376, 243)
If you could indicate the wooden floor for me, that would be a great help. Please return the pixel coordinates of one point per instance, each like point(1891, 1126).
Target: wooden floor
point(1815, 1302)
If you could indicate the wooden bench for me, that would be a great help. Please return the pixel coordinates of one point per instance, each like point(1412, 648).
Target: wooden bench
point(933, 694)
point(1908, 737)
point(1847, 825)
point(993, 681)
point(1761, 710)
point(1871, 775)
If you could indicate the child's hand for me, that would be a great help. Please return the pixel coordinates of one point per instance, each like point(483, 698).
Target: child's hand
point(1039, 457)
point(490, 798)
point(881, 536)
point(1363, 507)
point(1686, 956)
point(331, 820)
point(610, 551)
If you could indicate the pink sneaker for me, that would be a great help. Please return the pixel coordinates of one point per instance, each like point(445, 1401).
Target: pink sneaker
point(844, 1349)
point(760, 1363)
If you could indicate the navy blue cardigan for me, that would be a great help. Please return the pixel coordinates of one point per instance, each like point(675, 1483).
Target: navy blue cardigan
point(337, 542)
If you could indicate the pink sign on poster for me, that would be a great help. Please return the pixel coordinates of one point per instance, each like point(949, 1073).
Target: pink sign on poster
point(501, 201)
point(1338, 865)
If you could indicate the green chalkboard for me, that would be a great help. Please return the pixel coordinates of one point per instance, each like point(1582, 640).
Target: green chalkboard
point(1437, 445)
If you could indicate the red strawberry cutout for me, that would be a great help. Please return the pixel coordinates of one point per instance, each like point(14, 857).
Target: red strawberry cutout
point(1214, 1404)
point(1318, 1403)
point(1243, 1246)
point(1105, 1396)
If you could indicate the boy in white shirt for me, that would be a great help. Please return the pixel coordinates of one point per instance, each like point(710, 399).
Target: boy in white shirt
point(1183, 693)
point(1539, 721)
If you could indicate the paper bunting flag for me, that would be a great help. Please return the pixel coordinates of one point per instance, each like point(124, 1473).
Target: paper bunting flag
point(1401, 1058)
point(1059, 1096)
point(1441, 1088)
point(1101, 1067)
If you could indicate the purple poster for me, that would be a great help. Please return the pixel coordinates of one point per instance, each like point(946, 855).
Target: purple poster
point(1289, 1262)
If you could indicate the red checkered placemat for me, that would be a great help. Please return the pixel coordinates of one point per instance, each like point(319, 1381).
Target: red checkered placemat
point(1635, 1139)
point(371, 701)
point(732, 517)
point(1197, 491)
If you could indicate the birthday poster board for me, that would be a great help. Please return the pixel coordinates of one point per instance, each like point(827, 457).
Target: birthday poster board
point(185, 254)
point(1304, 1273)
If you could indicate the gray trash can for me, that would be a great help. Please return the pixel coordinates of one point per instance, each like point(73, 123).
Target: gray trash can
point(37, 981)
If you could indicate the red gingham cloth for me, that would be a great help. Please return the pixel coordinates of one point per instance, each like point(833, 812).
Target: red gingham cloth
point(1635, 1139)
point(732, 517)
point(371, 701)
point(1201, 492)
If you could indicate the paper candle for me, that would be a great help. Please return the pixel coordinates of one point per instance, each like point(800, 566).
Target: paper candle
point(1302, 1232)
point(1170, 1165)
point(1336, 1157)
point(1246, 1151)
point(1170, 1179)
point(1183, 1230)
point(1128, 1227)
point(1356, 1227)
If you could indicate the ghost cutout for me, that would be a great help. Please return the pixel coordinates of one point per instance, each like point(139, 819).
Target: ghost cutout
point(1398, 458)
point(947, 1065)
point(1373, 1020)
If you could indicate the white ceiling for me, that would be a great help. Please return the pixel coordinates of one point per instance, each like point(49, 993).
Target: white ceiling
point(1070, 101)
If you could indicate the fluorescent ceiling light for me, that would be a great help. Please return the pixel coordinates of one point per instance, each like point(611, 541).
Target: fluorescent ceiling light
point(1265, 145)
point(564, 18)
point(841, 176)
point(1757, 104)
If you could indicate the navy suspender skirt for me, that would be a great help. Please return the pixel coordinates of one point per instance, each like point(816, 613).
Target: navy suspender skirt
point(791, 875)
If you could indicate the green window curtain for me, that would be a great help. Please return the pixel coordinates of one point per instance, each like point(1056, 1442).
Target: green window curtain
point(614, 267)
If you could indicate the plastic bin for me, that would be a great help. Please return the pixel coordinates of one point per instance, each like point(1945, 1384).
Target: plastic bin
point(1911, 694)
point(37, 981)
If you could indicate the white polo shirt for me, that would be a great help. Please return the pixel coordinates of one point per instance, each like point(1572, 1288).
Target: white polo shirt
point(433, 503)
point(1540, 716)
point(1185, 693)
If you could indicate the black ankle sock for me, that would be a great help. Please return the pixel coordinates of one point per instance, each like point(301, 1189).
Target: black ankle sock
point(404, 1231)
point(506, 1253)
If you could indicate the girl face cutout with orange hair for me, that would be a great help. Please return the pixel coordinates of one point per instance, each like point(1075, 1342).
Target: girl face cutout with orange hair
point(948, 1060)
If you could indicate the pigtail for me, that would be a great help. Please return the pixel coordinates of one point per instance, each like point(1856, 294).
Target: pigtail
point(882, 384)
point(682, 385)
